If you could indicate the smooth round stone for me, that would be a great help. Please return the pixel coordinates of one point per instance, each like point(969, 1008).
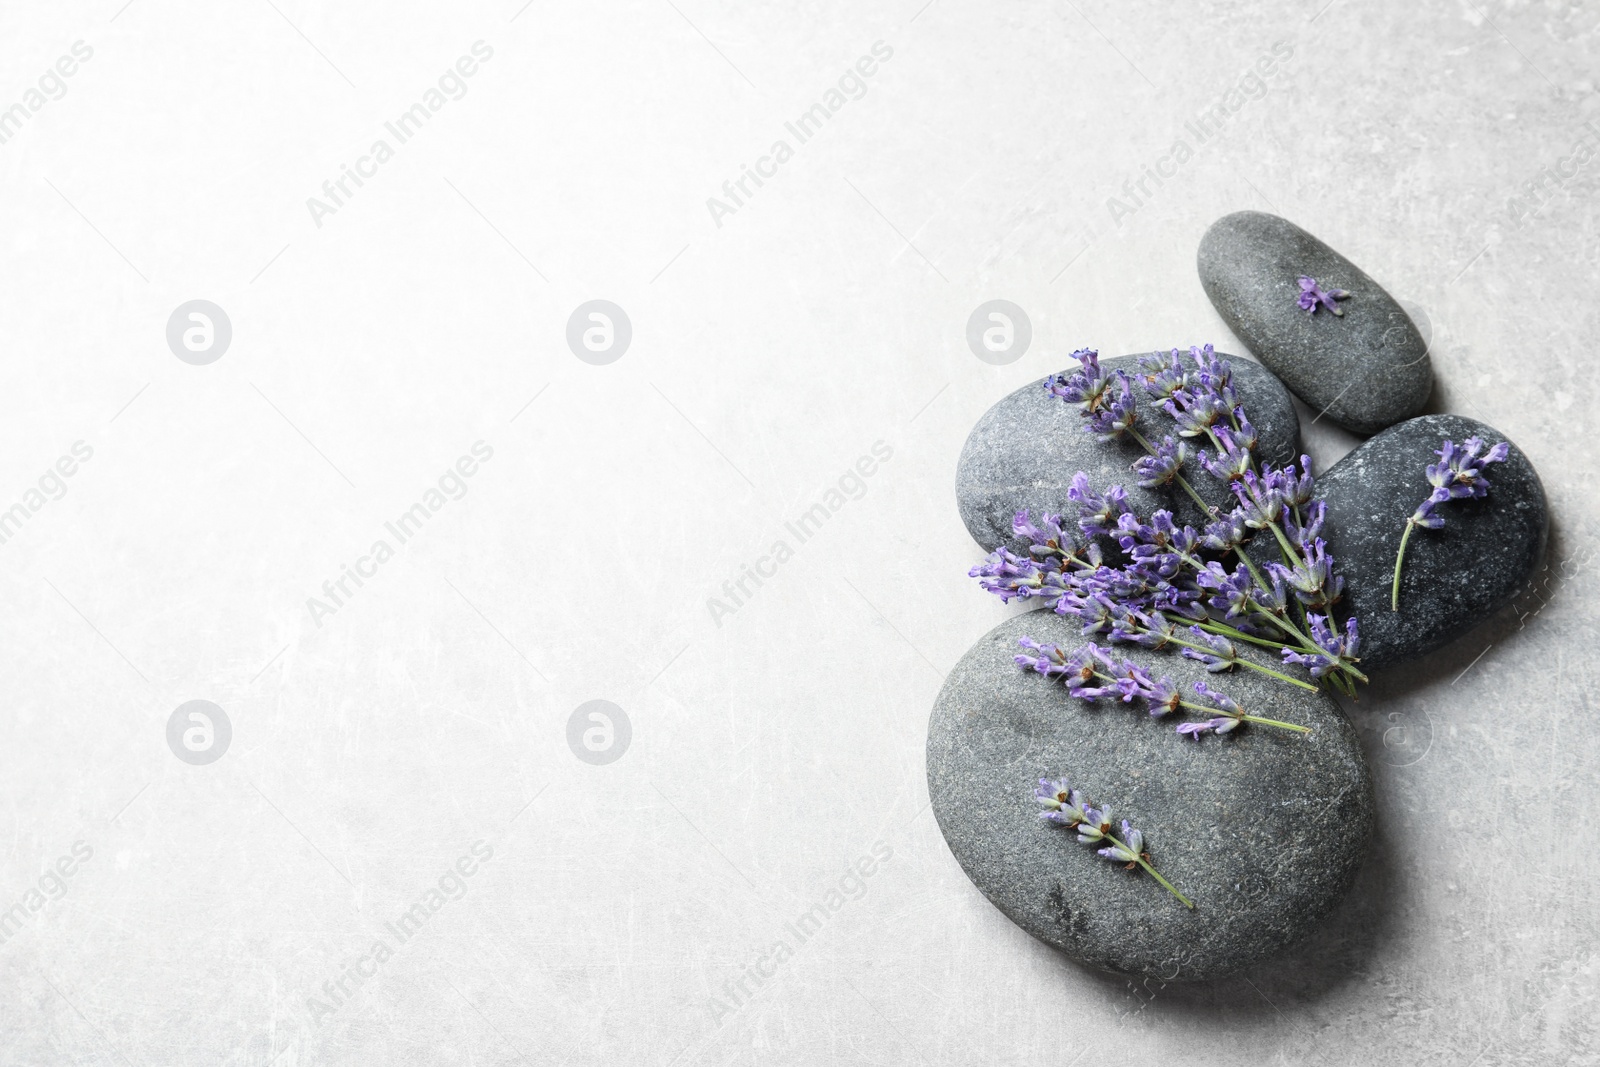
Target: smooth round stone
point(1263, 829)
point(1025, 449)
point(1454, 578)
point(1365, 370)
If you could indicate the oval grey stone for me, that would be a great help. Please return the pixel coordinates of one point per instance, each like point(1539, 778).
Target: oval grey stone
point(1263, 829)
point(1365, 370)
point(1025, 449)
point(1453, 578)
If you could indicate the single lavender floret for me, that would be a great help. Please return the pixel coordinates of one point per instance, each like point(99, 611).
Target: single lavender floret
point(1068, 807)
point(1313, 296)
point(1458, 475)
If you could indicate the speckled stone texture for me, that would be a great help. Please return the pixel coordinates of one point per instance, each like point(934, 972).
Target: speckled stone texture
point(1454, 578)
point(1365, 370)
point(1025, 449)
point(1263, 829)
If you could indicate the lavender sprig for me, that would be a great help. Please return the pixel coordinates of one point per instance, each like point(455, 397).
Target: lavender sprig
point(1092, 672)
point(1458, 475)
point(1313, 296)
point(1068, 807)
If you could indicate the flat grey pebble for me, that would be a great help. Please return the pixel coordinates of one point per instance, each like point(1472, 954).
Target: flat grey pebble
point(1365, 370)
point(1454, 578)
point(1263, 829)
point(1025, 449)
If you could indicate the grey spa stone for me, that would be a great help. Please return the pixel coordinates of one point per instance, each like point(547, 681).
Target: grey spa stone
point(1262, 828)
point(1453, 578)
point(1365, 369)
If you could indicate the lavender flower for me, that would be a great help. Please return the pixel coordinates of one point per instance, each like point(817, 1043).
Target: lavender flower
point(1129, 850)
point(1129, 579)
point(1092, 672)
point(1097, 514)
point(1195, 412)
point(1118, 415)
point(1163, 376)
point(1222, 654)
point(1334, 648)
point(1063, 804)
point(1313, 296)
point(1068, 807)
point(1304, 532)
point(1459, 475)
point(1311, 579)
point(1162, 466)
point(1086, 386)
point(1220, 725)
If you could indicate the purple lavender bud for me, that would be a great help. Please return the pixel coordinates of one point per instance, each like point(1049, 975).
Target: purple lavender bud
point(1163, 467)
point(1297, 488)
point(1235, 592)
point(1311, 579)
point(1095, 826)
point(1133, 839)
point(1195, 412)
point(1163, 376)
point(1085, 387)
point(1221, 700)
point(1228, 532)
point(1459, 474)
point(1164, 697)
point(1214, 370)
point(1116, 418)
point(1336, 648)
point(1219, 725)
point(1260, 499)
point(1313, 296)
point(1097, 514)
point(1304, 534)
point(1223, 655)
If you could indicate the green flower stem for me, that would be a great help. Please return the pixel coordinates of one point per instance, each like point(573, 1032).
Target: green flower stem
point(1275, 722)
point(1289, 554)
point(1394, 595)
point(1141, 861)
point(1213, 627)
point(1255, 667)
point(1218, 713)
point(1275, 674)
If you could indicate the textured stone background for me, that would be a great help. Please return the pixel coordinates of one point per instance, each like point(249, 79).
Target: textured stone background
point(774, 747)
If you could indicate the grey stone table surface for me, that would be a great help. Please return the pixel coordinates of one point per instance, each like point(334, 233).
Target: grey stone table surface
point(425, 510)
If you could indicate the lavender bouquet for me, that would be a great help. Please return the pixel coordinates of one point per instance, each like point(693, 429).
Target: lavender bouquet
point(1153, 583)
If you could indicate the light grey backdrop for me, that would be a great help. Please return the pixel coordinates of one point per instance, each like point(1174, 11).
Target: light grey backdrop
point(631, 911)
